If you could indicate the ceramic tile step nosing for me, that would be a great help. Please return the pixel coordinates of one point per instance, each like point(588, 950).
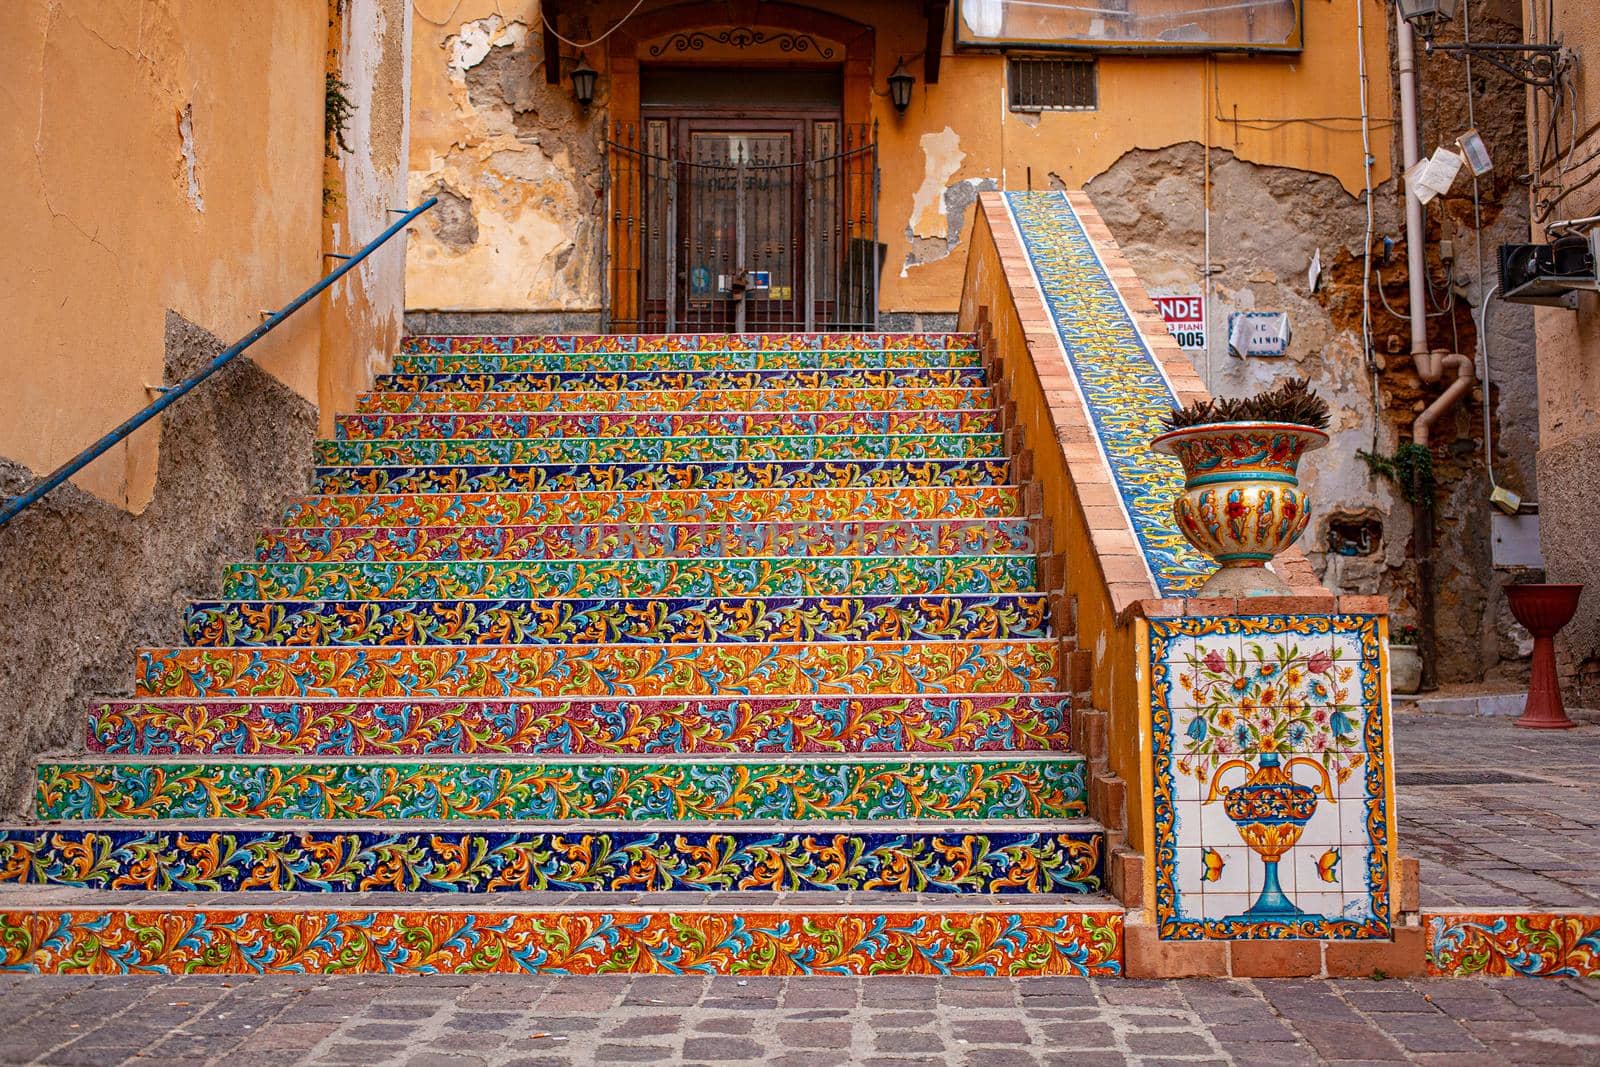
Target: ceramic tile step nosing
point(670, 362)
point(640, 381)
point(480, 425)
point(468, 451)
point(674, 340)
point(679, 400)
point(1006, 858)
point(559, 620)
point(711, 474)
point(756, 669)
point(299, 936)
point(725, 791)
point(661, 540)
point(745, 576)
point(660, 726)
point(656, 505)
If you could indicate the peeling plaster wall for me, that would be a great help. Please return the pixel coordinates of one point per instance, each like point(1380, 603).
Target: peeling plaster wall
point(370, 52)
point(522, 164)
point(515, 162)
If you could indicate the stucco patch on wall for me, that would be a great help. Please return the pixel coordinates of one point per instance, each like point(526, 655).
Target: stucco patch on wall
point(191, 173)
point(942, 156)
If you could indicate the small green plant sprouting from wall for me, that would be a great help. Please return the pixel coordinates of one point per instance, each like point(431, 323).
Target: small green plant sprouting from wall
point(1410, 469)
point(336, 114)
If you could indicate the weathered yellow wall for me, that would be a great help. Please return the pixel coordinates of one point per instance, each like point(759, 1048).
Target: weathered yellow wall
point(170, 156)
point(535, 249)
point(108, 223)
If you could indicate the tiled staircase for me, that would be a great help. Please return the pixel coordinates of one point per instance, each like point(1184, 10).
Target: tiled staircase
point(603, 653)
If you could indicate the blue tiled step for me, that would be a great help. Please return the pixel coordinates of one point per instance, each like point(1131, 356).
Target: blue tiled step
point(621, 621)
point(710, 475)
point(681, 400)
point(614, 381)
point(1009, 857)
point(701, 360)
point(616, 578)
point(663, 726)
point(681, 540)
point(644, 449)
point(722, 789)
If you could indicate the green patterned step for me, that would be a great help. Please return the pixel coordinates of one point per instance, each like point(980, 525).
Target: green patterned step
point(644, 449)
point(659, 726)
point(867, 668)
point(617, 578)
point(983, 787)
point(863, 503)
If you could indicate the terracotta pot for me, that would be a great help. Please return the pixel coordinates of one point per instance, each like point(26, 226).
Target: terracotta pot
point(1544, 609)
point(1405, 669)
point(1241, 502)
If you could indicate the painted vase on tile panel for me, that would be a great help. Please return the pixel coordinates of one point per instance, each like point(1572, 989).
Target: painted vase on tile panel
point(1242, 503)
point(1267, 709)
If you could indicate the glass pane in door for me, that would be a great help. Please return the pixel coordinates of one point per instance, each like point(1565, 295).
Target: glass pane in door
point(739, 226)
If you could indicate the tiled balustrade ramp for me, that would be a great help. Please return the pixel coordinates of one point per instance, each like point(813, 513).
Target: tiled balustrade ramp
point(671, 653)
point(1258, 790)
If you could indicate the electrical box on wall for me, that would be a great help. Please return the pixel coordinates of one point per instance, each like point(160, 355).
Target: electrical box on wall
point(1259, 333)
point(1515, 540)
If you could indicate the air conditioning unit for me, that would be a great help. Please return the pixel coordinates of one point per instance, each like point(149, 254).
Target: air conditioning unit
point(1550, 273)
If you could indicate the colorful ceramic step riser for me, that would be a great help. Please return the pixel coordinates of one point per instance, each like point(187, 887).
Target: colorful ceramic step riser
point(732, 475)
point(1034, 786)
point(688, 342)
point(621, 858)
point(682, 400)
point(659, 449)
point(236, 624)
point(658, 726)
point(625, 578)
point(732, 942)
point(604, 424)
point(602, 670)
point(690, 540)
point(656, 381)
point(651, 506)
point(611, 362)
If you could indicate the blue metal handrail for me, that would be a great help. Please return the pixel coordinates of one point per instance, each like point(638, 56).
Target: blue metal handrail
point(18, 504)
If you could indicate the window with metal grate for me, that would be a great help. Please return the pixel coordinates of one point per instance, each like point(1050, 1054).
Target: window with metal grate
point(1040, 83)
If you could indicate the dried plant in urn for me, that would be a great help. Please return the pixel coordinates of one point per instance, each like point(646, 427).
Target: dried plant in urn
point(1241, 502)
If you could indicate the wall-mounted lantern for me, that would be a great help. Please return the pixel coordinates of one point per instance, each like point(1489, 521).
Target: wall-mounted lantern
point(583, 80)
point(1426, 15)
point(900, 83)
point(1540, 65)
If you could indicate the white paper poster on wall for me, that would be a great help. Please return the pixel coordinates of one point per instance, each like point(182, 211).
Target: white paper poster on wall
point(1186, 320)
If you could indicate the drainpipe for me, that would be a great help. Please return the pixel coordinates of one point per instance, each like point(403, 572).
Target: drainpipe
point(1430, 368)
point(1410, 152)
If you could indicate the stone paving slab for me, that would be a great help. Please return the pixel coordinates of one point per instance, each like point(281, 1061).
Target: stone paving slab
point(1497, 844)
point(551, 1021)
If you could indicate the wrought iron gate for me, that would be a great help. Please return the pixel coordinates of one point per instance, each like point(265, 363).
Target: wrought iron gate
point(743, 228)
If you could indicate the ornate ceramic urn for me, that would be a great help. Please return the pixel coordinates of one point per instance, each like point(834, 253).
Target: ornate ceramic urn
point(1241, 502)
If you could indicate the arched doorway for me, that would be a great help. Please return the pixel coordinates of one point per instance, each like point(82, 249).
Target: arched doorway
point(742, 173)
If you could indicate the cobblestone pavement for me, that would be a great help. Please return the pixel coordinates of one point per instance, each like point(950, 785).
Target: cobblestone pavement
point(811, 1022)
point(1499, 844)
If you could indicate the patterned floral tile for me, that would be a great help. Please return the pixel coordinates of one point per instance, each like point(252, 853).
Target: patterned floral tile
point(1513, 944)
point(361, 941)
point(1270, 777)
